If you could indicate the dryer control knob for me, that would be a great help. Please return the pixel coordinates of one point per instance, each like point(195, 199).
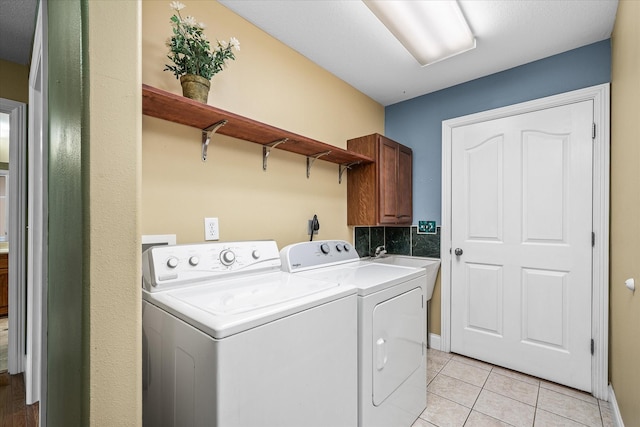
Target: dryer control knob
point(194, 260)
point(227, 257)
point(324, 248)
point(347, 248)
point(255, 254)
point(339, 248)
point(172, 262)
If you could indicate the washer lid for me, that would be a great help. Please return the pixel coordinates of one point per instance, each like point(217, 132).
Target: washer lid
point(366, 276)
point(224, 308)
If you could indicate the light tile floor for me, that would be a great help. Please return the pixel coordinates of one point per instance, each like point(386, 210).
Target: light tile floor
point(470, 393)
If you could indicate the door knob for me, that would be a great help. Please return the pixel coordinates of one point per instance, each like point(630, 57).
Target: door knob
point(458, 251)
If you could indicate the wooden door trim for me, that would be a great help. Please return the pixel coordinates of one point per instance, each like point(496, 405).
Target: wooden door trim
point(600, 95)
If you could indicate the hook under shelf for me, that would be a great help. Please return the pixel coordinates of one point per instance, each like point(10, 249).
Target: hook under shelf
point(266, 150)
point(344, 167)
point(206, 136)
point(311, 159)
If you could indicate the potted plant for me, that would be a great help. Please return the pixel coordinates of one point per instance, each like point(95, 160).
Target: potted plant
point(194, 61)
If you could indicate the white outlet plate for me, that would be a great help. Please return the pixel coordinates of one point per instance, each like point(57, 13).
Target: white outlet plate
point(211, 229)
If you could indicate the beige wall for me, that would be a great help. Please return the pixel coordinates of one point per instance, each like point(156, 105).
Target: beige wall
point(268, 82)
point(113, 176)
point(435, 308)
point(14, 81)
point(625, 211)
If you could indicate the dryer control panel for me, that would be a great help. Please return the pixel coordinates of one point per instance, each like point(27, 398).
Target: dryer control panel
point(307, 255)
point(166, 267)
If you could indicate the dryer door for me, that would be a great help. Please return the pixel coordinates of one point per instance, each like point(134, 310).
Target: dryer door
point(398, 337)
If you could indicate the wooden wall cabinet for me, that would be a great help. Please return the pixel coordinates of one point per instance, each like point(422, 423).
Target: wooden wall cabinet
point(380, 193)
point(4, 284)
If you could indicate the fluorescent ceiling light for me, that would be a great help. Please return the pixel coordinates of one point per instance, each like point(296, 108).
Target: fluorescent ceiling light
point(430, 30)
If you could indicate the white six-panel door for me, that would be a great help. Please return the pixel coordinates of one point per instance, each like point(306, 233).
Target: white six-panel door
point(521, 219)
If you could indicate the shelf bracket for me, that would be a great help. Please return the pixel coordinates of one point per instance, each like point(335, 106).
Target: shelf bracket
point(344, 167)
point(311, 159)
point(206, 136)
point(266, 150)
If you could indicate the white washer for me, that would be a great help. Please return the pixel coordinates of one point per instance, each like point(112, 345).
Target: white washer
point(231, 340)
point(392, 378)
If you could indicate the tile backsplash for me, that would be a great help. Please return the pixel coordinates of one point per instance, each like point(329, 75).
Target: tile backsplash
point(397, 240)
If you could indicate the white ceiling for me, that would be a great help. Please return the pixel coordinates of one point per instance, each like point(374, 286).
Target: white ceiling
point(345, 38)
point(17, 24)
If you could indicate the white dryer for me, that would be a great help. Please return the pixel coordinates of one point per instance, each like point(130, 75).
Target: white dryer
point(231, 340)
point(392, 379)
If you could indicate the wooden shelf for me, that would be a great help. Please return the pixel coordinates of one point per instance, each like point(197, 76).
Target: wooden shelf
point(168, 106)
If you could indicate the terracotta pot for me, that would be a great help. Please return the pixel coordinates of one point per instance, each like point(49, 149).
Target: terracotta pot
point(195, 87)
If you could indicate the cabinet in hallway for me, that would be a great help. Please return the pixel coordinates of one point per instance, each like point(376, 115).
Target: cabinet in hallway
point(4, 284)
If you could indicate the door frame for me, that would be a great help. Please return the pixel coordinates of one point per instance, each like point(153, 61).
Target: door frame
point(37, 212)
point(17, 233)
point(600, 95)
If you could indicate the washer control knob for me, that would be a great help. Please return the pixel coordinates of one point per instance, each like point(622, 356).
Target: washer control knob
point(255, 254)
point(172, 262)
point(194, 260)
point(324, 248)
point(347, 248)
point(338, 248)
point(227, 257)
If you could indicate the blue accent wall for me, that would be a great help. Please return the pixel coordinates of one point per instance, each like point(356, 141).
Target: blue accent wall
point(417, 123)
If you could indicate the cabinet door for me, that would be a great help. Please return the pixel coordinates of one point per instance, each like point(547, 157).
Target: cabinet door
point(4, 286)
point(404, 193)
point(388, 181)
point(380, 193)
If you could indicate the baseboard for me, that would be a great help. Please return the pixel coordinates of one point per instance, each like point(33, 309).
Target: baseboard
point(435, 342)
point(617, 417)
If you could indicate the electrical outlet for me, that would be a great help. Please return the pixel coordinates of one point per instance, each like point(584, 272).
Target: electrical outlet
point(211, 229)
point(427, 227)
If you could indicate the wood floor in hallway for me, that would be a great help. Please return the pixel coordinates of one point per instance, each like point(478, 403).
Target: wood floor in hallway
point(13, 410)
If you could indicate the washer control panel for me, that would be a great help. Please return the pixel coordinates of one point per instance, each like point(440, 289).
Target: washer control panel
point(320, 253)
point(165, 267)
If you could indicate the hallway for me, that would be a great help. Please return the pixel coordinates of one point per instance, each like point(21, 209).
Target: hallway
point(13, 411)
